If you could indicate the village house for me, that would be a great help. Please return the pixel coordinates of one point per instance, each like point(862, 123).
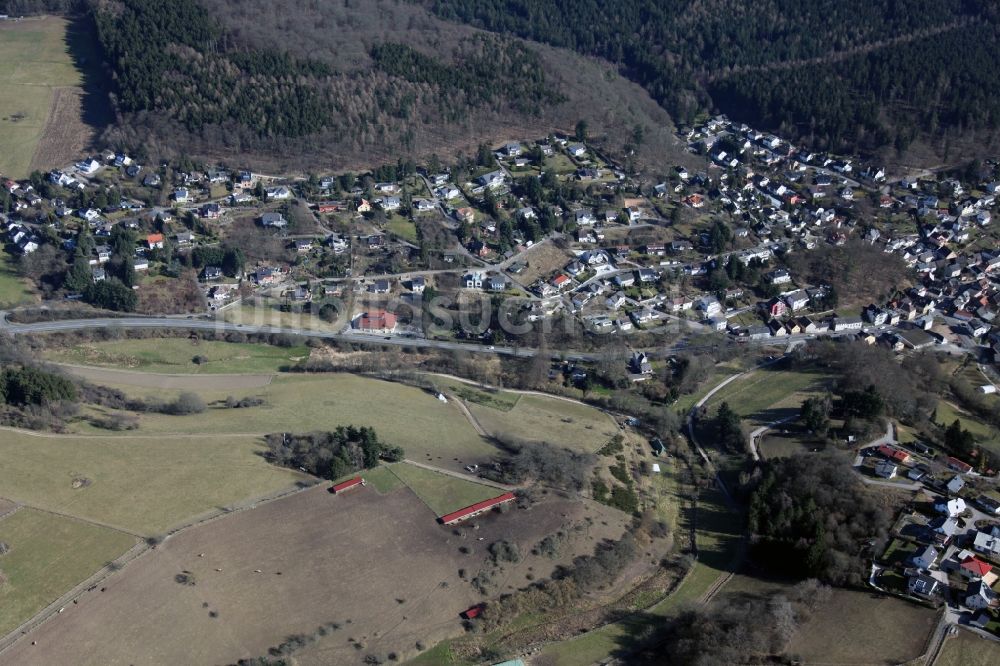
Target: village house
point(885, 469)
point(266, 276)
point(951, 508)
point(978, 595)
point(496, 282)
point(274, 220)
point(893, 454)
point(639, 364)
point(389, 204)
point(211, 273)
point(797, 300)
point(279, 193)
point(988, 505)
point(492, 180)
point(375, 321)
point(923, 586)
point(616, 301)
point(779, 276)
point(380, 286)
point(210, 211)
point(846, 324)
point(926, 557)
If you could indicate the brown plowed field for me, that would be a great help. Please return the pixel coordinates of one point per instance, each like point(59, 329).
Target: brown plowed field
point(377, 565)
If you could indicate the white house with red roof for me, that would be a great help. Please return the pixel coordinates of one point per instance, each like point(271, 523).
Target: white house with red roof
point(375, 321)
point(974, 568)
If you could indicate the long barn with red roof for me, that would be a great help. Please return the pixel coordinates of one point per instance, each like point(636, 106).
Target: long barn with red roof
point(476, 509)
point(356, 482)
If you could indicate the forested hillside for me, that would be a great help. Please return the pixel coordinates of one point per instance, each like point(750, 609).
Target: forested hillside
point(329, 84)
point(843, 74)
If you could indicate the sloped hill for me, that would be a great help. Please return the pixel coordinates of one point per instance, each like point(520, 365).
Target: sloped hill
point(837, 74)
point(332, 84)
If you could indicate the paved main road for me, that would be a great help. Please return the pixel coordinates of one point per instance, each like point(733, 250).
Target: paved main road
point(201, 324)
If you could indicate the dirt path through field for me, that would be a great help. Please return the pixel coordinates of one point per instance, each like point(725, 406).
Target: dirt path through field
point(165, 381)
point(464, 477)
point(472, 419)
point(7, 506)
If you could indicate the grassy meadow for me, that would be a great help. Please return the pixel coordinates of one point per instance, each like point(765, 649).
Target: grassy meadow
point(442, 493)
point(176, 356)
point(947, 413)
point(766, 395)
point(544, 419)
point(49, 554)
point(13, 289)
point(144, 485)
point(36, 60)
point(429, 430)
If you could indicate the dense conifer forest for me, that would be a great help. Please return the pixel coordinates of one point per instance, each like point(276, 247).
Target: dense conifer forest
point(842, 74)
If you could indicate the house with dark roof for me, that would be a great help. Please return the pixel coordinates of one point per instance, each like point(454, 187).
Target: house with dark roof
point(978, 595)
point(925, 559)
point(924, 586)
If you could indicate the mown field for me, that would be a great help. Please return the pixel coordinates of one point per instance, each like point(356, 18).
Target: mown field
point(968, 649)
point(174, 469)
point(862, 628)
point(384, 583)
point(852, 627)
point(380, 478)
point(947, 413)
point(375, 569)
point(544, 419)
point(766, 395)
point(470, 393)
point(268, 313)
point(718, 374)
point(786, 442)
point(49, 554)
point(36, 61)
point(177, 355)
point(13, 290)
point(142, 484)
point(429, 430)
point(442, 493)
point(402, 227)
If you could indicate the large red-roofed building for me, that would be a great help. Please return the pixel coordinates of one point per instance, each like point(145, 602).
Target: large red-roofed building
point(338, 488)
point(376, 321)
point(476, 509)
